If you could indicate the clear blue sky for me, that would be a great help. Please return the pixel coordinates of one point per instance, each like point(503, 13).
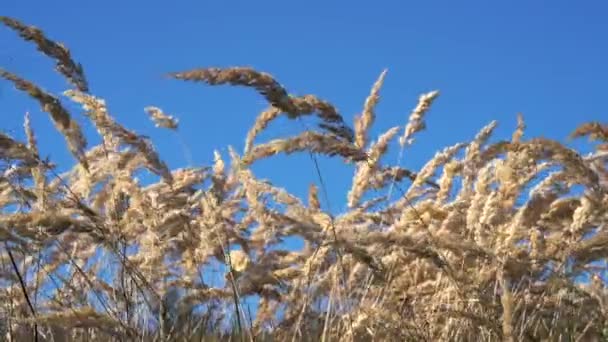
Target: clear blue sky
point(489, 59)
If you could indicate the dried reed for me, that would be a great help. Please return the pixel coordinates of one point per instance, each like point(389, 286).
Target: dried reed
point(500, 257)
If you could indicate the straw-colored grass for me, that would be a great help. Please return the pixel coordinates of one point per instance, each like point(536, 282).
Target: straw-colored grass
point(504, 241)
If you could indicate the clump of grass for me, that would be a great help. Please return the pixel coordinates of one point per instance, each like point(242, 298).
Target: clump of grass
point(92, 254)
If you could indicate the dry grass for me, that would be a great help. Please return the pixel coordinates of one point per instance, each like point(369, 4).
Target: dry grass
point(92, 254)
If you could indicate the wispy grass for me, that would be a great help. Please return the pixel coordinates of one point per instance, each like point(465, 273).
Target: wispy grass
point(487, 241)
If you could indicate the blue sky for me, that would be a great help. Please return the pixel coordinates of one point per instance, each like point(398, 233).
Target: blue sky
point(490, 60)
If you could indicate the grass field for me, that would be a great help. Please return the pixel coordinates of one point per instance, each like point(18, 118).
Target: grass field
point(487, 241)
